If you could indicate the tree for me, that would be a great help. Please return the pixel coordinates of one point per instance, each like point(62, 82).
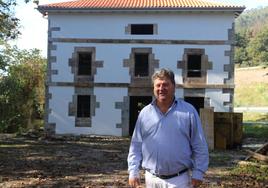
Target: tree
point(22, 75)
point(9, 28)
point(258, 47)
point(5, 56)
point(251, 31)
point(8, 22)
point(241, 55)
point(22, 90)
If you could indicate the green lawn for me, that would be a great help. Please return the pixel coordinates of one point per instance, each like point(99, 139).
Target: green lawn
point(251, 95)
point(255, 131)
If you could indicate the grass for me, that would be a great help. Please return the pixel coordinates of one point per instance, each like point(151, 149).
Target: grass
point(254, 94)
point(255, 131)
point(253, 170)
point(255, 117)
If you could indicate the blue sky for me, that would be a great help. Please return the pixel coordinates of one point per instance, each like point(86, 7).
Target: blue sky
point(34, 26)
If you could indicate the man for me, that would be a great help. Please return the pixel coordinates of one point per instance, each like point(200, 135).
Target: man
point(168, 140)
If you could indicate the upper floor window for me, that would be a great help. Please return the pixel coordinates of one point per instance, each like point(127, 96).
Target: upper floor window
point(194, 65)
point(83, 106)
point(84, 63)
point(142, 29)
point(141, 64)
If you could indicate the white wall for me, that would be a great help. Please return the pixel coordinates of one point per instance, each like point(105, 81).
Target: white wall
point(179, 93)
point(113, 56)
point(105, 119)
point(59, 107)
point(104, 123)
point(217, 98)
point(180, 26)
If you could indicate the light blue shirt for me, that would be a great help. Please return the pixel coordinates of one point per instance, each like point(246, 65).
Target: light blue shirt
point(167, 143)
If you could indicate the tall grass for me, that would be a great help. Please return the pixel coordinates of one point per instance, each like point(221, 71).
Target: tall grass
point(255, 94)
point(255, 131)
point(255, 117)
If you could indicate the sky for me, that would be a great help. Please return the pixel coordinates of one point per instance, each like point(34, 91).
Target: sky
point(34, 25)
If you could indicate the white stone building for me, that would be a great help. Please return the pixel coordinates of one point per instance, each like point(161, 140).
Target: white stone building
point(102, 53)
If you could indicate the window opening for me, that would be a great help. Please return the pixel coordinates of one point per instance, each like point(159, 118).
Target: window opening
point(142, 29)
point(136, 104)
point(197, 102)
point(194, 66)
point(141, 64)
point(84, 63)
point(83, 106)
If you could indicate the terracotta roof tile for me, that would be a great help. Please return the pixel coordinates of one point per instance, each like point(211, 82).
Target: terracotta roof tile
point(136, 4)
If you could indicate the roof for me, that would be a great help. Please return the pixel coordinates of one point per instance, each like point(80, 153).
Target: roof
point(97, 5)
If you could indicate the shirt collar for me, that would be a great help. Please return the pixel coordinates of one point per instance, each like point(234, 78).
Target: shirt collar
point(175, 101)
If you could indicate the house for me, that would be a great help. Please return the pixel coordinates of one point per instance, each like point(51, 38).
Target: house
point(102, 53)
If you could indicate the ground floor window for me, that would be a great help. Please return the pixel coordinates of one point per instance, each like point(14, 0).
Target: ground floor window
point(197, 102)
point(83, 106)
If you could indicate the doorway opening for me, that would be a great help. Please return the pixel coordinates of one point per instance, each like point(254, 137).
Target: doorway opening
point(197, 102)
point(136, 103)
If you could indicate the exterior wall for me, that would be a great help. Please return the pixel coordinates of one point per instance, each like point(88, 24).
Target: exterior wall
point(217, 99)
point(112, 83)
point(108, 116)
point(103, 123)
point(113, 26)
point(114, 72)
point(58, 104)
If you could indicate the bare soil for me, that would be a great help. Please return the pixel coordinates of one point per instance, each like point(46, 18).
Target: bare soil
point(245, 76)
point(92, 161)
point(63, 162)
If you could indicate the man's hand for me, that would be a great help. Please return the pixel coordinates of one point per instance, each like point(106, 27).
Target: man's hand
point(196, 182)
point(134, 182)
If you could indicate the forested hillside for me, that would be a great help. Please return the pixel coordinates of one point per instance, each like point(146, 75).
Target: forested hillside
point(252, 38)
point(252, 19)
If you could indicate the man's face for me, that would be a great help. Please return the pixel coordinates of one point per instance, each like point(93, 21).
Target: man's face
point(164, 89)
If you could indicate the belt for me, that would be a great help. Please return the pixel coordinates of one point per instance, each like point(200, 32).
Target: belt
point(172, 175)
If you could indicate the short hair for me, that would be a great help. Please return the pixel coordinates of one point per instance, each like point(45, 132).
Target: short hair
point(164, 73)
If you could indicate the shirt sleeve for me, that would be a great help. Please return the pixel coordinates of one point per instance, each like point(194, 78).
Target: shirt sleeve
point(199, 147)
point(135, 151)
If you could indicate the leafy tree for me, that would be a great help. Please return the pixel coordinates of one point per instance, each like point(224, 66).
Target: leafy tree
point(251, 32)
point(8, 22)
point(6, 56)
point(241, 55)
point(9, 28)
point(258, 47)
point(22, 90)
point(252, 19)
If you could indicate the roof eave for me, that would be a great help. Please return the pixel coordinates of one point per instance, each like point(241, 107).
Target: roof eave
point(46, 10)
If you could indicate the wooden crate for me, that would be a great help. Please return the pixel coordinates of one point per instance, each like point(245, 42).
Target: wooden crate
point(223, 130)
point(228, 125)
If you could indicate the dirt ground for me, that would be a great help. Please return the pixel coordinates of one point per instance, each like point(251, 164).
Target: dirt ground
point(244, 76)
point(92, 161)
